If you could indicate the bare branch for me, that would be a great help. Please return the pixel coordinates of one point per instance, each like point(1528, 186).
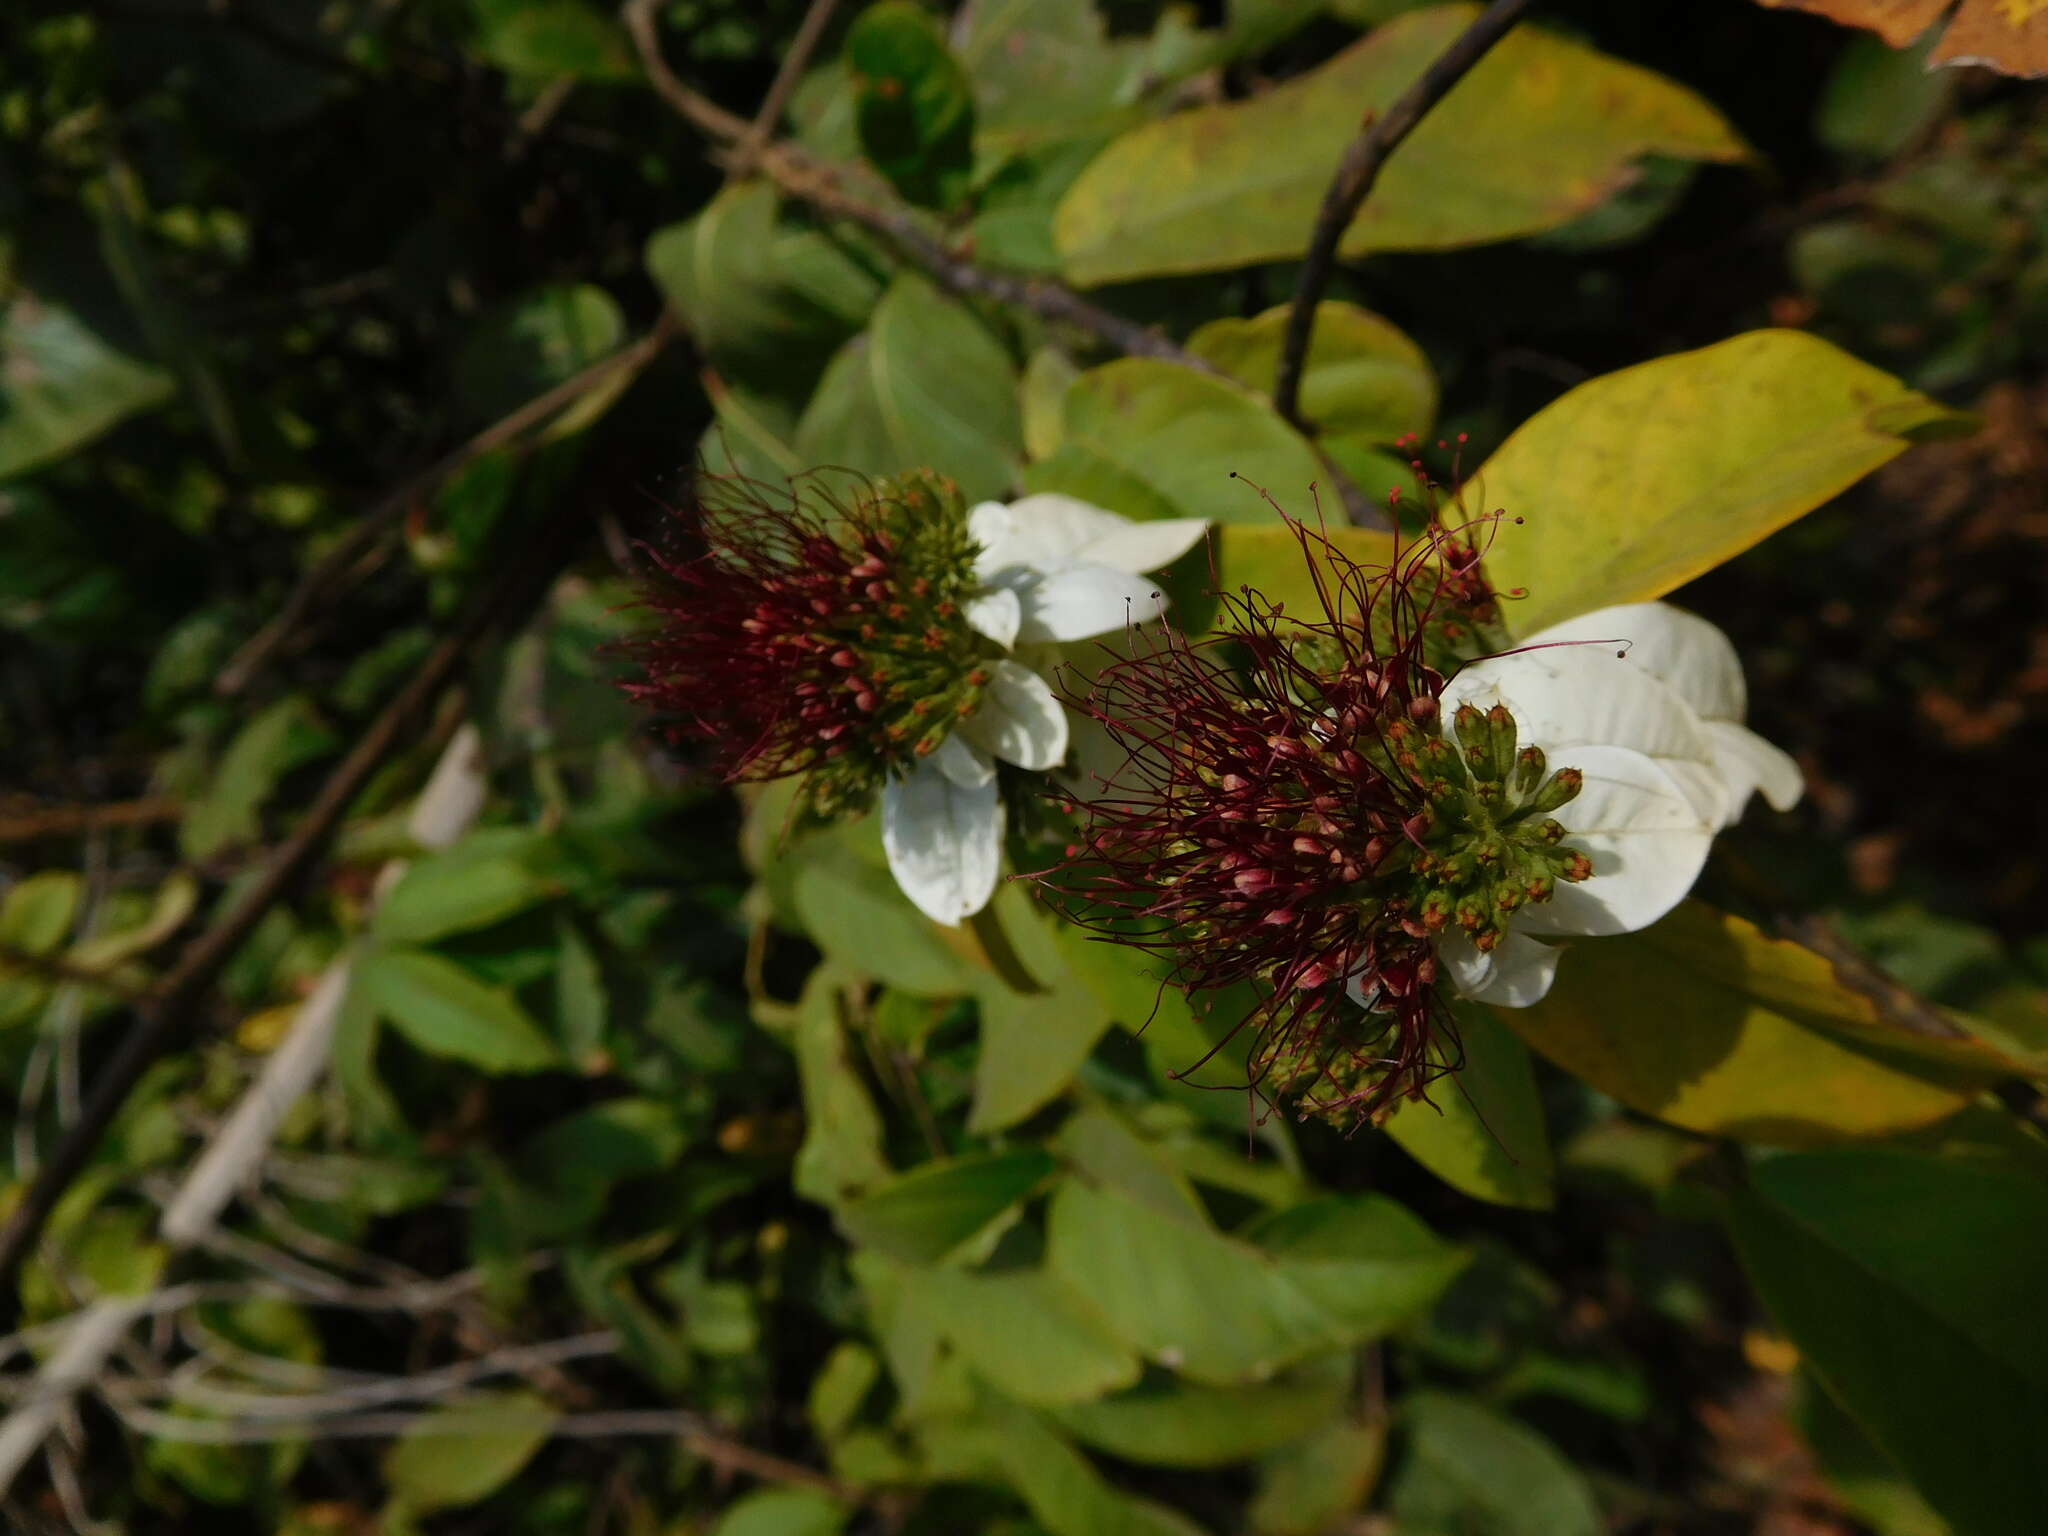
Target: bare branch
point(1357, 172)
point(826, 187)
point(801, 47)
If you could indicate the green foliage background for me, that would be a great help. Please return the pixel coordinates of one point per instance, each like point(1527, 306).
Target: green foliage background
point(670, 1173)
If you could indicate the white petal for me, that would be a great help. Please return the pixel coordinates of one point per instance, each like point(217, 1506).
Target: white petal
point(1584, 695)
point(1143, 546)
point(1516, 972)
point(1043, 531)
point(1083, 601)
point(944, 842)
point(1747, 762)
point(996, 612)
point(1679, 649)
point(1646, 839)
point(1019, 720)
point(963, 762)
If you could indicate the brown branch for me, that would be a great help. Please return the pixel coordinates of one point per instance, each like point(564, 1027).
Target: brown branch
point(1357, 172)
point(801, 47)
point(32, 822)
point(165, 1022)
point(826, 187)
point(330, 574)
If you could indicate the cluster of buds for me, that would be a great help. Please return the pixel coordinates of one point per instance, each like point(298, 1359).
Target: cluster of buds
point(819, 633)
point(1291, 814)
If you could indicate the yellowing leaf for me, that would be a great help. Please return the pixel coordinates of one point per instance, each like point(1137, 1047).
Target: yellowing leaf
point(1700, 1021)
point(1541, 131)
point(1640, 480)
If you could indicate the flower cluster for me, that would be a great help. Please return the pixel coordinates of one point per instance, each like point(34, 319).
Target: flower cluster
point(1314, 807)
point(878, 639)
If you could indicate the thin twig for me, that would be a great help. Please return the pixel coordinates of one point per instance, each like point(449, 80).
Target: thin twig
point(825, 187)
point(791, 70)
point(327, 575)
point(31, 822)
point(1357, 172)
point(164, 1024)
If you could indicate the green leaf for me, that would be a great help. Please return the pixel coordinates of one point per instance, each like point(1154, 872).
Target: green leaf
point(1043, 69)
point(842, 1148)
point(597, 1147)
point(765, 302)
point(1868, 1485)
point(545, 39)
point(1011, 1445)
point(1310, 1487)
point(782, 1512)
point(1702, 1021)
point(1467, 1468)
point(534, 342)
point(1638, 481)
point(445, 1011)
point(464, 1452)
point(1364, 383)
point(913, 104)
point(923, 1215)
point(1221, 1310)
point(1167, 1423)
point(1879, 99)
point(1026, 1333)
point(1032, 1044)
point(855, 912)
point(1912, 1287)
point(582, 1006)
point(487, 877)
point(61, 386)
point(1538, 133)
point(1485, 1134)
point(281, 738)
point(925, 386)
point(1282, 565)
point(1149, 438)
point(36, 914)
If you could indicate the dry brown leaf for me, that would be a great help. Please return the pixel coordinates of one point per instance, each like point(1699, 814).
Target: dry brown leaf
point(2006, 35)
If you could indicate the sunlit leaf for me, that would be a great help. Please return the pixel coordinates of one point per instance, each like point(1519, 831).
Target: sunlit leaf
point(464, 1452)
point(1539, 132)
point(1484, 1134)
point(446, 1011)
point(1639, 481)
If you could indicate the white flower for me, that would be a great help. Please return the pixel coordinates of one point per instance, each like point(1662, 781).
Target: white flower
point(1052, 569)
point(1657, 731)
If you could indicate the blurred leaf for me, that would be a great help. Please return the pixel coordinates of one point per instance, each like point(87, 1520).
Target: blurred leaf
point(1702, 1021)
point(276, 741)
point(1311, 1486)
point(1155, 439)
point(1181, 1424)
point(1043, 69)
point(173, 902)
point(923, 1215)
point(925, 386)
point(446, 1011)
point(1866, 1482)
point(856, 913)
point(36, 914)
point(464, 1452)
point(1032, 1044)
point(913, 104)
point(545, 39)
point(61, 386)
point(1539, 132)
point(1467, 1468)
point(1220, 1310)
point(764, 301)
point(487, 877)
point(531, 343)
point(1640, 480)
point(1911, 1286)
point(782, 1512)
point(1485, 1134)
point(597, 1147)
point(582, 1008)
point(1364, 384)
point(842, 1384)
point(842, 1149)
point(1027, 1334)
point(1013, 1446)
point(1879, 99)
point(750, 435)
point(1042, 398)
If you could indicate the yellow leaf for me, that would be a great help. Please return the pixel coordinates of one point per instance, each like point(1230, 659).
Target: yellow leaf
point(1640, 480)
point(1706, 1023)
